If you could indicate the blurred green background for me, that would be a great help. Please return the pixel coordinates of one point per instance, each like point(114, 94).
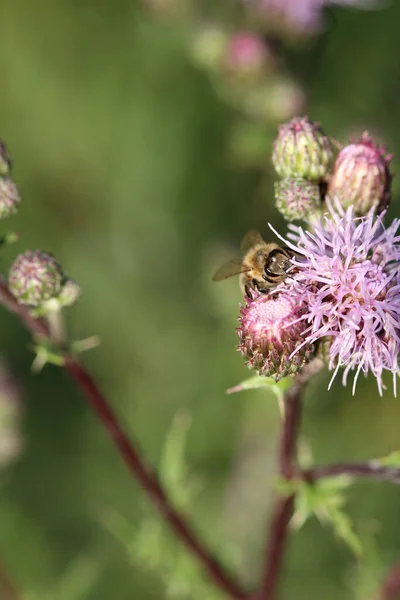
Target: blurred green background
point(121, 152)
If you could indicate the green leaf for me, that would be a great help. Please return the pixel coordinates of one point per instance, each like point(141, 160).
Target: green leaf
point(324, 499)
point(173, 468)
point(257, 381)
point(152, 544)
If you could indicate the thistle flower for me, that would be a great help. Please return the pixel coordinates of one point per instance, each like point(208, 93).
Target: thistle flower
point(361, 176)
point(35, 277)
point(271, 329)
point(347, 274)
point(297, 198)
point(9, 196)
point(302, 150)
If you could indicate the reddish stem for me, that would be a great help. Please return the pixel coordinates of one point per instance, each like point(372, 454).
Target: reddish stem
point(130, 453)
point(391, 587)
point(8, 590)
point(371, 469)
point(287, 468)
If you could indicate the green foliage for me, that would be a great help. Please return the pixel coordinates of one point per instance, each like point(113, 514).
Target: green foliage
point(256, 382)
point(391, 460)
point(152, 545)
point(75, 584)
point(324, 499)
point(367, 575)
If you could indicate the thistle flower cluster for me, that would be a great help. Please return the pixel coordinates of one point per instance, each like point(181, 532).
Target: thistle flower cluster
point(342, 292)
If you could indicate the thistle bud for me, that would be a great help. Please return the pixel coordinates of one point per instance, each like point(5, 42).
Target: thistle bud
point(361, 176)
point(35, 277)
point(297, 198)
point(302, 150)
point(269, 332)
point(9, 197)
point(5, 161)
point(247, 54)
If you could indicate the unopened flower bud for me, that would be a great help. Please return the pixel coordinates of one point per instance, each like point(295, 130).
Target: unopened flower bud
point(270, 331)
point(5, 161)
point(297, 198)
point(361, 176)
point(9, 197)
point(302, 149)
point(247, 54)
point(35, 277)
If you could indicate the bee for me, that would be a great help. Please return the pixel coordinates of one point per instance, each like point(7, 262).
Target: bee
point(263, 266)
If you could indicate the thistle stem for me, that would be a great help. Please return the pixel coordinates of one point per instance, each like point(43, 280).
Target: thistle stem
point(390, 589)
point(372, 469)
point(283, 511)
point(8, 590)
point(130, 453)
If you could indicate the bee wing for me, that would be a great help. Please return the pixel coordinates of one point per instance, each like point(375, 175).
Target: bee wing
point(229, 269)
point(251, 238)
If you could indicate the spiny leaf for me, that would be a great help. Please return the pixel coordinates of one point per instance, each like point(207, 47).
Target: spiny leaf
point(324, 499)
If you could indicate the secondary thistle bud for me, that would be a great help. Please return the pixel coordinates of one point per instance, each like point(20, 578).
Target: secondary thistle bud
point(9, 196)
point(35, 277)
point(361, 176)
point(5, 161)
point(302, 149)
point(269, 332)
point(297, 198)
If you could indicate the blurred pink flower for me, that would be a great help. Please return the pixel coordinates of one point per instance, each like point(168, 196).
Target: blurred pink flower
point(303, 15)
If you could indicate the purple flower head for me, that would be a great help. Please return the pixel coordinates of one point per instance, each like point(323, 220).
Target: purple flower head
point(346, 272)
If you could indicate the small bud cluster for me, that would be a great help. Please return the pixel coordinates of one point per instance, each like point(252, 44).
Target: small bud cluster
point(9, 195)
point(304, 157)
point(36, 278)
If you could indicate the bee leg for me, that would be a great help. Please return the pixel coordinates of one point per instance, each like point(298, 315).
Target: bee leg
point(247, 291)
